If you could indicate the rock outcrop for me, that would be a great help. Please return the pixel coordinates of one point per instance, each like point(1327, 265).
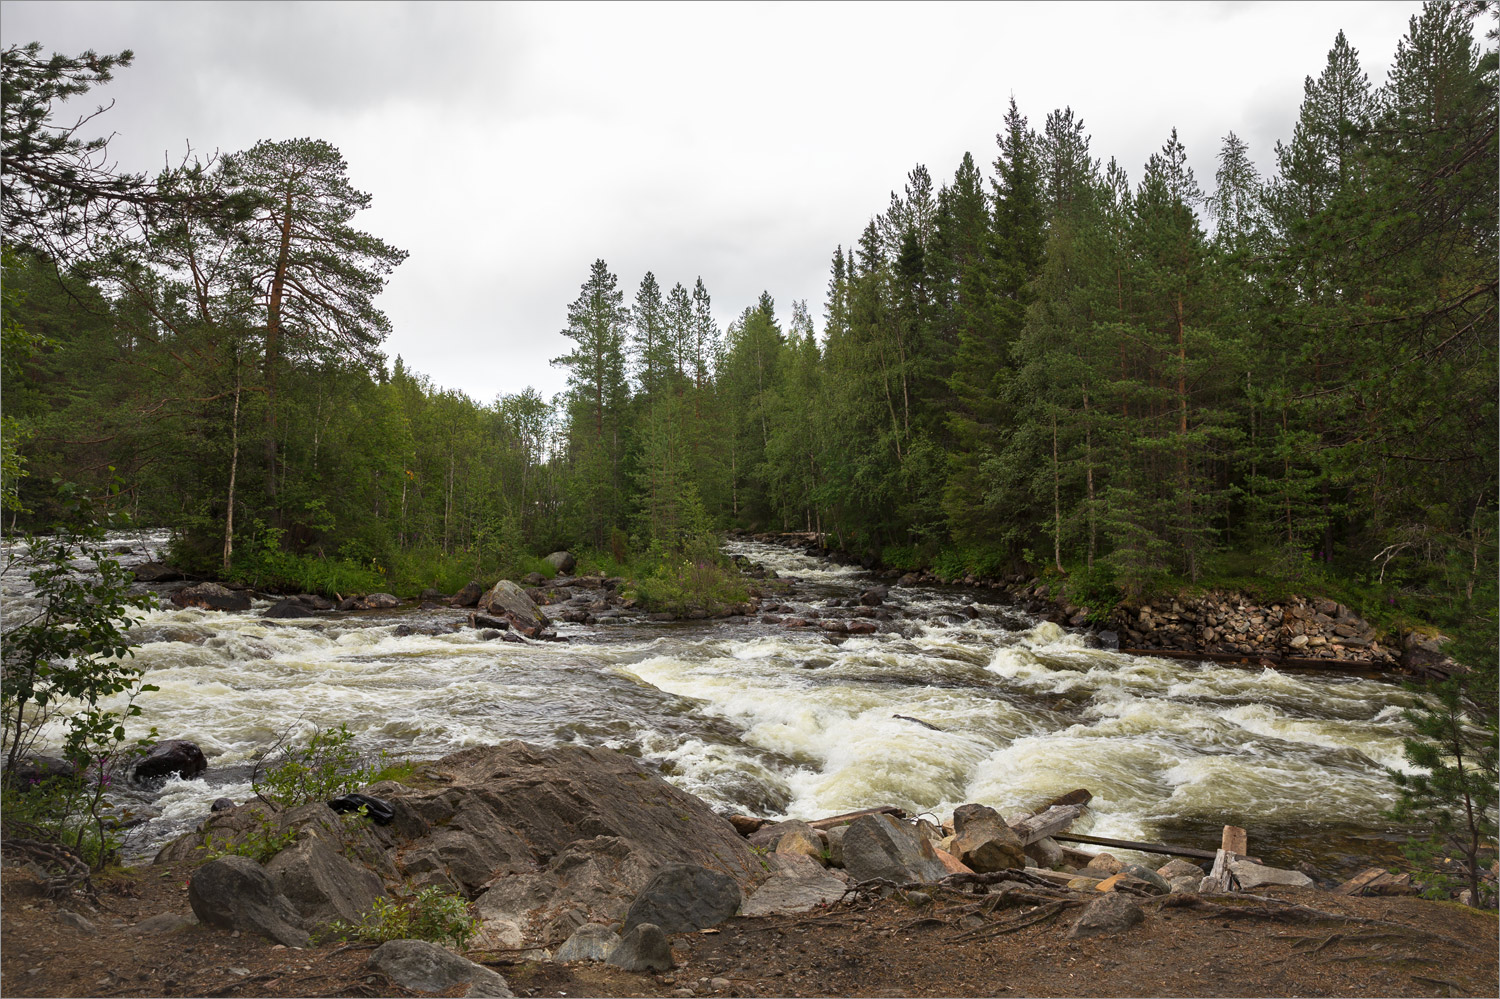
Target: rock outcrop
point(212, 596)
point(507, 600)
point(236, 893)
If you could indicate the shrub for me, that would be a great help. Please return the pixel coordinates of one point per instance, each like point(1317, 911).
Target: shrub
point(326, 767)
point(432, 914)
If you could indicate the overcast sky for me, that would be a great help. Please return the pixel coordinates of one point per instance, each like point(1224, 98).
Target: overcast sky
point(507, 146)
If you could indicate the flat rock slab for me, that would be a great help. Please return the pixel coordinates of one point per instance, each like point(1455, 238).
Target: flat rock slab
point(590, 942)
point(426, 967)
point(799, 892)
point(1255, 875)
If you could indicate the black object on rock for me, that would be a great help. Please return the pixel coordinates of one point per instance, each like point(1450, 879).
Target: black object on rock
point(380, 811)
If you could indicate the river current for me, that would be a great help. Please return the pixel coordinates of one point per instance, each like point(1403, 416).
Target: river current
point(974, 701)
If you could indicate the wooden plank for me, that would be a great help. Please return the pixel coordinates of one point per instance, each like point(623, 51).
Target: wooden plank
point(1235, 840)
point(1054, 820)
point(1125, 844)
point(1356, 884)
point(847, 817)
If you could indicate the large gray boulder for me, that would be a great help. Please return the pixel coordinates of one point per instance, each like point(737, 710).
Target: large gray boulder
point(426, 967)
point(236, 893)
point(1105, 916)
point(799, 884)
point(322, 884)
point(882, 846)
point(983, 841)
point(684, 897)
point(468, 596)
point(563, 562)
point(506, 599)
point(590, 942)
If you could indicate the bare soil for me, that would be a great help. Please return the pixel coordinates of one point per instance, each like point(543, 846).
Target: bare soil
point(1297, 942)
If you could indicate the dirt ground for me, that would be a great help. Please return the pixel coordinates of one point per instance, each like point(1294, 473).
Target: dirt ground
point(1299, 943)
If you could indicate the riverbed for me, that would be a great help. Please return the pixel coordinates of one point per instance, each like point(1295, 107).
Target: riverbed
point(967, 700)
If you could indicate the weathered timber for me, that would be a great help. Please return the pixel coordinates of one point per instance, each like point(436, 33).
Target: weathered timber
point(1054, 820)
point(1124, 844)
point(1356, 884)
point(1082, 796)
point(847, 817)
point(1235, 840)
point(1255, 660)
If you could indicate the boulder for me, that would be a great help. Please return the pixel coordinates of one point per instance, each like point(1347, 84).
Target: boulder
point(467, 596)
point(211, 596)
point(882, 846)
point(1106, 915)
point(315, 602)
point(874, 596)
point(236, 893)
point(323, 885)
point(1045, 852)
point(171, 756)
point(1251, 876)
point(983, 841)
point(155, 572)
point(836, 845)
point(952, 863)
point(1178, 868)
point(478, 620)
point(221, 805)
point(425, 967)
point(684, 897)
point(381, 601)
point(590, 942)
point(746, 824)
point(506, 599)
point(563, 562)
point(32, 771)
point(644, 947)
point(287, 607)
point(801, 839)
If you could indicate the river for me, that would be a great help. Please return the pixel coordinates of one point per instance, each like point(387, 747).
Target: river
point(996, 707)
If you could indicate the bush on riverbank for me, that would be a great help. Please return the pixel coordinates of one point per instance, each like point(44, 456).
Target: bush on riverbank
point(692, 578)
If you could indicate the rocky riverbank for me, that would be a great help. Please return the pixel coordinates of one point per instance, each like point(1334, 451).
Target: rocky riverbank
point(1228, 625)
point(591, 875)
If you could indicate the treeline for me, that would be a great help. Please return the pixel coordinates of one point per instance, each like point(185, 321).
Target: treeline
point(1038, 362)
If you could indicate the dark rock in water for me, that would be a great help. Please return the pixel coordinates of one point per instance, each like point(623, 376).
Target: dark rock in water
point(155, 572)
point(506, 599)
point(290, 607)
point(236, 893)
point(171, 756)
point(315, 602)
point(644, 947)
point(33, 771)
point(1108, 914)
point(563, 562)
point(402, 630)
point(874, 596)
point(381, 601)
point(478, 620)
point(490, 634)
point(431, 594)
point(420, 966)
point(222, 805)
point(685, 897)
point(468, 596)
point(590, 942)
point(881, 846)
point(378, 811)
point(350, 604)
point(211, 596)
point(1109, 640)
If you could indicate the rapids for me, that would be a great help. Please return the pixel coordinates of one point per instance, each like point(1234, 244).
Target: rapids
point(998, 708)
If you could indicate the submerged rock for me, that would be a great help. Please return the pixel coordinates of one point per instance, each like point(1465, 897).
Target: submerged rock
point(171, 756)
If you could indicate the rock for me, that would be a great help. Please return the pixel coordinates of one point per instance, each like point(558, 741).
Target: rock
point(1045, 852)
point(952, 863)
point(155, 572)
point(746, 824)
point(211, 596)
point(1178, 868)
point(1297, 642)
point(171, 756)
point(800, 838)
point(32, 771)
point(70, 918)
point(798, 884)
point(836, 845)
point(164, 922)
point(1185, 883)
point(563, 562)
point(236, 893)
point(1255, 875)
point(1106, 863)
point(644, 947)
point(315, 602)
point(506, 599)
point(882, 846)
point(222, 805)
point(685, 897)
point(478, 620)
point(1108, 914)
point(468, 596)
point(1140, 877)
point(381, 601)
point(426, 967)
point(287, 607)
point(983, 841)
point(590, 942)
point(1109, 640)
point(323, 885)
point(874, 596)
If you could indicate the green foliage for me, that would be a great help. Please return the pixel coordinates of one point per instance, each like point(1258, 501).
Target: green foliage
point(432, 914)
point(694, 579)
point(979, 561)
point(259, 844)
point(328, 766)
